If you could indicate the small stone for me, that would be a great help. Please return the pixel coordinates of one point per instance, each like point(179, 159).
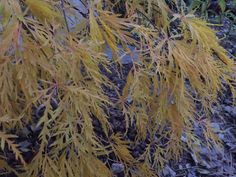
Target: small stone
point(225, 30)
point(24, 146)
point(129, 100)
point(184, 139)
point(35, 128)
point(234, 112)
point(227, 101)
point(220, 34)
point(228, 109)
point(40, 111)
point(139, 149)
point(143, 145)
point(117, 168)
point(191, 175)
point(54, 104)
point(169, 172)
point(230, 50)
point(125, 58)
point(233, 148)
point(203, 171)
point(216, 127)
point(231, 110)
point(25, 131)
point(135, 154)
point(188, 165)
point(96, 123)
point(221, 136)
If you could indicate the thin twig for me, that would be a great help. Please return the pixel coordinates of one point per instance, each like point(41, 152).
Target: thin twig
point(32, 35)
point(149, 20)
point(64, 14)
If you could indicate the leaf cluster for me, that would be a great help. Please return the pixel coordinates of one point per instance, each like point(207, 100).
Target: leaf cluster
point(43, 60)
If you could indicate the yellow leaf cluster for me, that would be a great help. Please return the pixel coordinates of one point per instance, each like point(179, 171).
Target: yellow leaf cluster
point(43, 10)
point(180, 65)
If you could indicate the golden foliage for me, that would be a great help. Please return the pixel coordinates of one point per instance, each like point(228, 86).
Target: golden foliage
point(43, 10)
point(180, 64)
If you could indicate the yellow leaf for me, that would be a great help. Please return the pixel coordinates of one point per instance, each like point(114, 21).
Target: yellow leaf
point(95, 32)
point(43, 10)
point(128, 84)
point(120, 148)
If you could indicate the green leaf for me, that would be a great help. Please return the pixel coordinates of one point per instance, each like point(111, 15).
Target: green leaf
point(195, 4)
point(222, 4)
point(1, 9)
point(2, 144)
point(204, 7)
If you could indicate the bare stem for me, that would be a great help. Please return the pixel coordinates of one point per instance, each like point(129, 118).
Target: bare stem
point(64, 14)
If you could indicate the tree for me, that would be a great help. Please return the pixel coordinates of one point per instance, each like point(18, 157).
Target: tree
point(51, 55)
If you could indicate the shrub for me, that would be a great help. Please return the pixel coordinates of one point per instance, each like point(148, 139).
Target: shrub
point(47, 63)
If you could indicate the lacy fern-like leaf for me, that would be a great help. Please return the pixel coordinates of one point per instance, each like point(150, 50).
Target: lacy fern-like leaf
point(53, 80)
